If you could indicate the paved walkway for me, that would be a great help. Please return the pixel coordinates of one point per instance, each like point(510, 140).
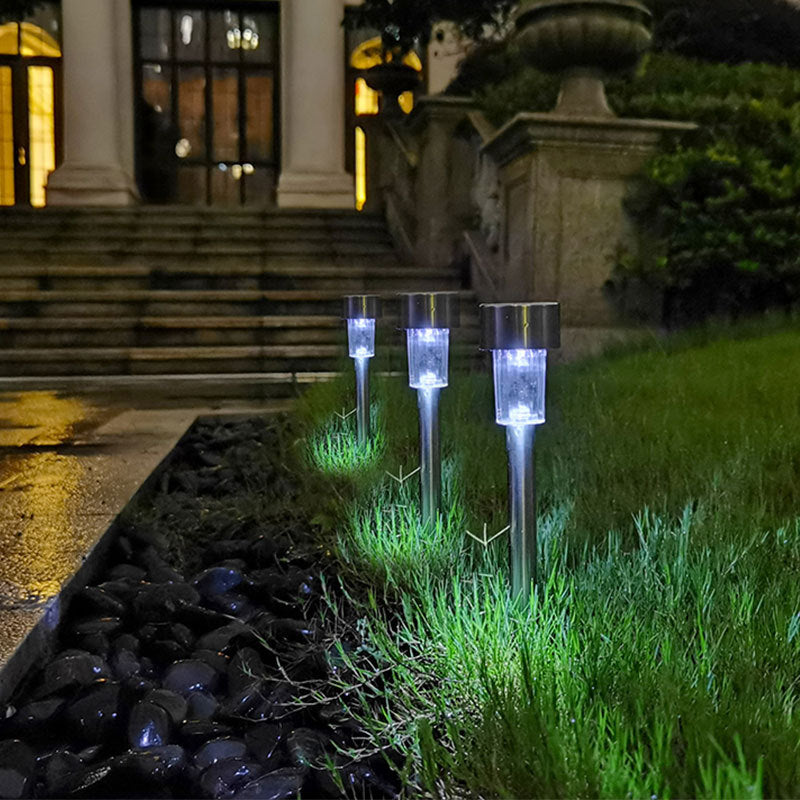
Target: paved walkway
point(68, 466)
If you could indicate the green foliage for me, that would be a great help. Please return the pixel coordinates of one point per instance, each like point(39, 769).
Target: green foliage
point(719, 208)
point(334, 447)
point(659, 656)
point(14, 10)
point(732, 31)
point(406, 24)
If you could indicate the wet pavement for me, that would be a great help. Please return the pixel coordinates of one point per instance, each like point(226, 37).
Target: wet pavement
point(68, 466)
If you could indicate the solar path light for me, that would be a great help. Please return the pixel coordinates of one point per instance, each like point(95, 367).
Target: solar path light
point(427, 318)
point(519, 336)
point(361, 312)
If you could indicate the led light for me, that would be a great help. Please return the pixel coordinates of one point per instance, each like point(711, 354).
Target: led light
point(427, 318)
point(519, 386)
point(361, 337)
point(361, 311)
point(428, 357)
point(519, 335)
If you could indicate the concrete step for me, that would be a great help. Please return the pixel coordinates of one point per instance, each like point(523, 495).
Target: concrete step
point(70, 332)
point(139, 303)
point(189, 360)
point(60, 246)
point(99, 332)
point(237, 276)
point(159, 389)
point(214, 215)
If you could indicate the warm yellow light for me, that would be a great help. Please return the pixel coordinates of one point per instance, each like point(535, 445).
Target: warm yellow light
point(361, 168)
point(366, 99)
point(36, 41)
point(406, 101)
point(370, 54)
point(41, 127)
point(6, 139)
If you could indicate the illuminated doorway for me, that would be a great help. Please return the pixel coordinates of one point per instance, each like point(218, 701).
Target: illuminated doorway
point(30, 107)
point(365, 102)
point(207, 114)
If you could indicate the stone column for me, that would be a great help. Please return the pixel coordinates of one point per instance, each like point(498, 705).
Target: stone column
point(98, 105)
point(444, 177)
point(313, 106)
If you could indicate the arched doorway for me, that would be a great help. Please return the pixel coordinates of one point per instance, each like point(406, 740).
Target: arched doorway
point(365, 103)
point(30, 107)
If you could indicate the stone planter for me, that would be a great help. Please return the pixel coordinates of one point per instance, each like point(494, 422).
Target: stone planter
point(585, 41)
point(391, 80)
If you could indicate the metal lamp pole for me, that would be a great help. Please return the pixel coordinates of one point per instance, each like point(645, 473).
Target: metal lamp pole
point(427, 318)
point(362, 312)
point(519, 335)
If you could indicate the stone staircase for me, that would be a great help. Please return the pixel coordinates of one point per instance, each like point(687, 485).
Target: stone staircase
point(221, 303)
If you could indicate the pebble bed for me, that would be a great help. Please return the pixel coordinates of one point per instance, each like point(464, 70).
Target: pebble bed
point(181, 671)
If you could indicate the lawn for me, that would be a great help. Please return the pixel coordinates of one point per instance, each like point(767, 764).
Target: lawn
point(660, 655)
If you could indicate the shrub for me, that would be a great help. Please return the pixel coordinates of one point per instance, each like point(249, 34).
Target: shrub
point(731, 31)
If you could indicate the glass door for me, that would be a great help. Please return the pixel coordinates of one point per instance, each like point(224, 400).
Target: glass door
point(30, 77)
point(207, 116)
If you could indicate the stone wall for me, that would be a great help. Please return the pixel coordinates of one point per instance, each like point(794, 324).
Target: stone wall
point(542, 201)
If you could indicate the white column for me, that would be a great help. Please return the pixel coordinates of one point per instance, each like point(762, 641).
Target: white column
point(98, 167)
point(313, 106)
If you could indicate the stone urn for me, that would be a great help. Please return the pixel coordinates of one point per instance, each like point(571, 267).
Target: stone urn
point(392, 79)
point(585, 41)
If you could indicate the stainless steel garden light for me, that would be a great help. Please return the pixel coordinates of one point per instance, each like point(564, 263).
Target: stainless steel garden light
point(519, 335)
point(427, 318)
point(362, 312)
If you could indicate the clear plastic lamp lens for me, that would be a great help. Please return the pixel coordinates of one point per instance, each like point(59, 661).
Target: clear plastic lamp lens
point(428, 357)
point(519, 383)
point(361, 337)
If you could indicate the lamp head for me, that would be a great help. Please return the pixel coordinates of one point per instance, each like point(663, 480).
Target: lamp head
point(430, 310)
point(519, 335)
point(361, 311)
point(427, 318)
point(520, 326)
point(362, 306)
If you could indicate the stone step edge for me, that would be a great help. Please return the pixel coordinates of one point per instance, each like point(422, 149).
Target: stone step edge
point(185, 295)
point(309, 270)
point(189, 353)
point(298, 322)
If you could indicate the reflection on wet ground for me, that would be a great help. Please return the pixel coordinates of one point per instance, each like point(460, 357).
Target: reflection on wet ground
point(49, 500)
point(68, 465)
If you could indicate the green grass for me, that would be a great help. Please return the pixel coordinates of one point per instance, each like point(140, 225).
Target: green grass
point(661, 653)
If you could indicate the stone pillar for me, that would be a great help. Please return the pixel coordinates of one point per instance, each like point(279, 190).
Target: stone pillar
point(563, 183)
point(313, 106)
point(444, 176)
point(98, 104)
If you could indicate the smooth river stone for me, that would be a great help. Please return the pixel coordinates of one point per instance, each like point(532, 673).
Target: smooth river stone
point(148, 726)
point(218, 750)
point(175, 705)
point(280, 784)
point(201, 705)
point(228, 776)
point(17, 764)
point(185, 677)
point(217, 580)
point(157, 764)
point(37, 714)
point(71, 669)
point(94, 715)
point(100, 601)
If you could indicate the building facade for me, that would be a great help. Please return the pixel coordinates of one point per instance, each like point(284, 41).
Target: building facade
point(200, 102)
